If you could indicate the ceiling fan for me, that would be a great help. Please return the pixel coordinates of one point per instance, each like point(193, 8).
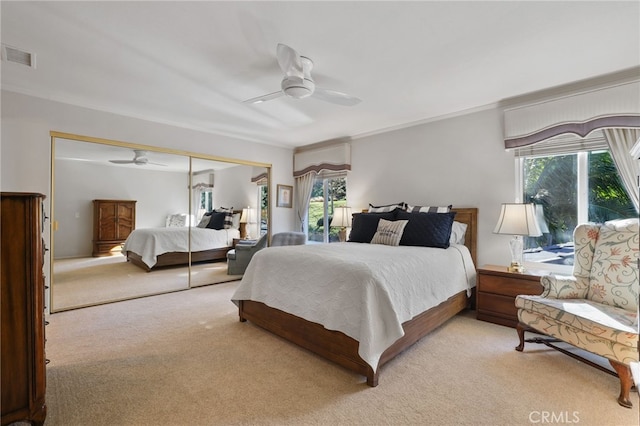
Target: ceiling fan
point(139, 159)
point(298, 83)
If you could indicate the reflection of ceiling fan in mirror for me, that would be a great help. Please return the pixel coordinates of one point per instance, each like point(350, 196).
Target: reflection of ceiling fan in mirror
point(298, 83)
point(139, 159)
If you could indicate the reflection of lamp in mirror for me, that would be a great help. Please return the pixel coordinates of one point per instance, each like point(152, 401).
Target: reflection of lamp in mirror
point(248, 218)
point(341, 219)
point(518, 220)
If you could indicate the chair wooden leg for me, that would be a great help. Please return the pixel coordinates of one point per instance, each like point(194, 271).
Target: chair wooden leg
point(624, 373)
point(520, 329)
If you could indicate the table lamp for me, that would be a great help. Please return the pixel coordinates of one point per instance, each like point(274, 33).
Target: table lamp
point(341, 219)
point(518, 220)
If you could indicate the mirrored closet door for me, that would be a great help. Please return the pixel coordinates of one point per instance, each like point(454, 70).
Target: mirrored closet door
point(125, 219)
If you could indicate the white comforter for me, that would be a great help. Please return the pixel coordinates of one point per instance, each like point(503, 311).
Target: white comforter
point(363, 290)
point(149, 243)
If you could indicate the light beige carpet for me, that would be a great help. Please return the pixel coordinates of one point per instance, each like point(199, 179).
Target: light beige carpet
point(93, 280)
point(184, 359)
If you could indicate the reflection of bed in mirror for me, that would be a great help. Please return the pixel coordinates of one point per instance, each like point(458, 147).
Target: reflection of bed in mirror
point(152, 248)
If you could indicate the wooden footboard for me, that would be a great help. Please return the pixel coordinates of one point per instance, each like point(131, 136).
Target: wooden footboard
point(340, 348)
point(179, 258)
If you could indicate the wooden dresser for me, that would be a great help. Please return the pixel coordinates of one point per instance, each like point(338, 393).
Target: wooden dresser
point(23, 374)
point(113, 221)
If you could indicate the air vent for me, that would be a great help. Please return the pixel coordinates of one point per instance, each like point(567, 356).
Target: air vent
point(17, 56)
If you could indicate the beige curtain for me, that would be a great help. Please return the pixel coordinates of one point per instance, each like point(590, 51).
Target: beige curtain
point(303, 188)
point(620, 143)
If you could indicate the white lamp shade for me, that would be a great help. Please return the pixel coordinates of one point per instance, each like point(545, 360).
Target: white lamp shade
point(341, 217)
point(248, 216)
point(518, 219)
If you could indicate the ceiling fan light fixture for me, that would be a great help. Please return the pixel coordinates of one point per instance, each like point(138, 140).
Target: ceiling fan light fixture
point(297, 88)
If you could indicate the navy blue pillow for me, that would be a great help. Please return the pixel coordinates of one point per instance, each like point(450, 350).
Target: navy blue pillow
point(217, 220)
point(365, 225)
point(426, 229)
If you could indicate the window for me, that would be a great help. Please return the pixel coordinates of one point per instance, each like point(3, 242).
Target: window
point(206, 201)
point(263, 202)
point(580, 185)
point(327, 194)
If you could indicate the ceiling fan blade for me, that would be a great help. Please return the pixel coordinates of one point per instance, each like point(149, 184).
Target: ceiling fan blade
point(289, 61)
point(335, 97)
point(121, 161)
point(264, 98)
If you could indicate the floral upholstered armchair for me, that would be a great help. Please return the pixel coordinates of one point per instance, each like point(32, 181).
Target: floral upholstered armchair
point(595, 309)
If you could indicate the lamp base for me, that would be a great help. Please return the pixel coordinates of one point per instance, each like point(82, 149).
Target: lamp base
point(342, 235)
point(516, 267)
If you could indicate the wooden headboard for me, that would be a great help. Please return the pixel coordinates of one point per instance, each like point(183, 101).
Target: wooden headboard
point(469, 216)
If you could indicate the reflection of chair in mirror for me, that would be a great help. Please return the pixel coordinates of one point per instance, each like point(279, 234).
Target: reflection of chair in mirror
point(288, 239)
point(238, 258)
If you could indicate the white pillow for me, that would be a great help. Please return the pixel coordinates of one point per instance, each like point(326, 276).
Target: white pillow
point(236, 221)
point(204, 221)
point(389, 232)
point(179, 219)
point(458, 231)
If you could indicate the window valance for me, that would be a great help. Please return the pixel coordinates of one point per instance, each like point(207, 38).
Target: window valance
point(202, 179)
point(329, 158)
point(614, 106)
point(259, 176)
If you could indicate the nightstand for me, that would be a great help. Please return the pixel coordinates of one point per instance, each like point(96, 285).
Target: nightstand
point(496, 292)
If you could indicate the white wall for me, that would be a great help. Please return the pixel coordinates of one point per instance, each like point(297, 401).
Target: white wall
point(233, 188)
point(459, 161)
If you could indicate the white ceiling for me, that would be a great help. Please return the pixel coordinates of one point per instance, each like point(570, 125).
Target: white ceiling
point(191, 64)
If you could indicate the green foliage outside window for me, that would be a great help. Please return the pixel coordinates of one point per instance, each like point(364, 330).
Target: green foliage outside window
point(337, 192)
point(552, 182)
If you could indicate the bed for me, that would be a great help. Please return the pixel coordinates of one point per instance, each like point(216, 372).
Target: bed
point(153, 248)
point(324, 324)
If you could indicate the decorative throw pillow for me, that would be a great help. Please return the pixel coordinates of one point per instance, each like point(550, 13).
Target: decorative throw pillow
point(386, 208)
point(365, 225)
point(217, 220)
point(429, 209)
point(427, 229)
point(389, 232)
point(228, 220)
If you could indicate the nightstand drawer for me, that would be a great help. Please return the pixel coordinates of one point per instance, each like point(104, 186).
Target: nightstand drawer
point(508, 286)
point(497, 304)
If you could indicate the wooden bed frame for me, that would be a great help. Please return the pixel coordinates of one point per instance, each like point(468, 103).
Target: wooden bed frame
point(179, 258)
point(342, 349)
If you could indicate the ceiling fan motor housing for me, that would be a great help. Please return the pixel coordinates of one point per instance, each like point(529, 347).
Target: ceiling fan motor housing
point(297, 88)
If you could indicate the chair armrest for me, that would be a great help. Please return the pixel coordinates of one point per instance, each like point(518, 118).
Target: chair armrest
point(563, 287)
